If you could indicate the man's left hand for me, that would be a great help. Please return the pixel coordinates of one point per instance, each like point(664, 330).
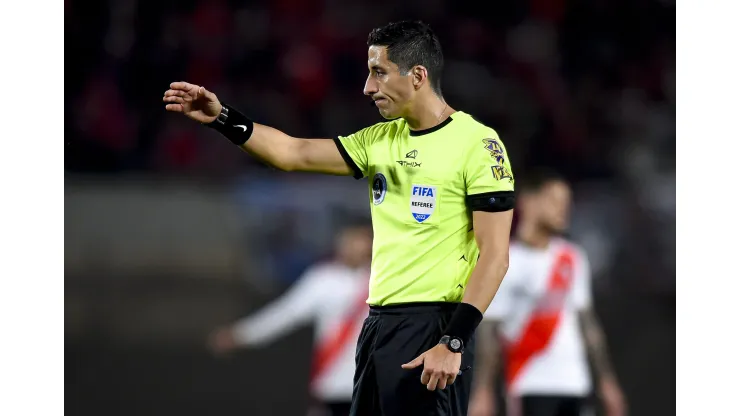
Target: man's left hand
point(441, 366)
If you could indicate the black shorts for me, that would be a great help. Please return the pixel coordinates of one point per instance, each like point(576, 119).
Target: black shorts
point(392, 336)
point(551, 405)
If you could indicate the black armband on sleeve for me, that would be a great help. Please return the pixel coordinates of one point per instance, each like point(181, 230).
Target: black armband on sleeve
point(491, 201)
point(464, 321)
point(233, 125)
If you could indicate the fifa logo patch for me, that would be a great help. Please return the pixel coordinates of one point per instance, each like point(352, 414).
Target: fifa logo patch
point(423, 201)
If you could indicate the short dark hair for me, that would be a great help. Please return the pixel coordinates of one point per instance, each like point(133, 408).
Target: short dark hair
point(536, 179)
point(411, 43)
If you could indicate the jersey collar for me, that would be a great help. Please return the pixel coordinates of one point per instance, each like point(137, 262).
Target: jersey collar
point(447, 121)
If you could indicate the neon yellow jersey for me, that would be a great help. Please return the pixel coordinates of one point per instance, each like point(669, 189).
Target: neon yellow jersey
point(424, 248)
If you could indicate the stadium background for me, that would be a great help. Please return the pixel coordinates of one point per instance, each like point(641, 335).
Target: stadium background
point(171, 231)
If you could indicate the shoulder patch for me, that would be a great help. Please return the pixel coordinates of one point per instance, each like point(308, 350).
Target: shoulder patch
point(495, 149)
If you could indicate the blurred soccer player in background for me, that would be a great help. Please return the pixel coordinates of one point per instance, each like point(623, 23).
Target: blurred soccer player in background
point(331, 295)
point(442, 198)
point(542, 317)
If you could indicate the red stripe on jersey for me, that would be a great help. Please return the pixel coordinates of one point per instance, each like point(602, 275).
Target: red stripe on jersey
point(540, 328)
point(330, 348)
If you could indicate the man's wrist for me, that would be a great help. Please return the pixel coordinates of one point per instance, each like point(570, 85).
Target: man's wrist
point(453, 344)
point(233, 125)
point(463, 323)
point(220, 110)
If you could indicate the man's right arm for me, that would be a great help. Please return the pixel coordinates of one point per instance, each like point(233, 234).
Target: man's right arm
point(291, 154)
point(268, 144)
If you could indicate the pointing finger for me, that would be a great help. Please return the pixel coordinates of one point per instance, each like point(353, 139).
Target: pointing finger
point(415, 363)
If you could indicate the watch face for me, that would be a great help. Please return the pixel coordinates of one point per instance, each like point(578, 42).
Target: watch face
point(455, 344)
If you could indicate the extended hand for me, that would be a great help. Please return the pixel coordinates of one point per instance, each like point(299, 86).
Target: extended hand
point(194, 101)
point(441, 366)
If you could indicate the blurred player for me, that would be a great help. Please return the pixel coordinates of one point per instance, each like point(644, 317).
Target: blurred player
point(442, 198)
point(543, 315)
point(332, 295)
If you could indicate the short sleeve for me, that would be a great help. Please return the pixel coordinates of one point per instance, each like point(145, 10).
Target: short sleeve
point(488, 175)
point(353, 149)
point(582, 284)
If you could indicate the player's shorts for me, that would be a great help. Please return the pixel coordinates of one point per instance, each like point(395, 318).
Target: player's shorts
point(392, 336)
point(535, 405)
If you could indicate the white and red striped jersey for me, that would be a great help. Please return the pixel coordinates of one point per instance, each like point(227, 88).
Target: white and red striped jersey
point(332, 297)
point(538, 304)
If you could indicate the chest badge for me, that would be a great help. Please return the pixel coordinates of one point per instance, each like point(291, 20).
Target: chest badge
point(380, 187)
point(423, 201)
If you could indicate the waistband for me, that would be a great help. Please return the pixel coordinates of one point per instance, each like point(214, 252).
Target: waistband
point(413, 308)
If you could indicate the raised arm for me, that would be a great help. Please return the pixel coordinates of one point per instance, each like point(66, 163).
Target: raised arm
point(268, 144)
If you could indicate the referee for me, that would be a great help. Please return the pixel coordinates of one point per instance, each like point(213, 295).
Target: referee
point(442, 193)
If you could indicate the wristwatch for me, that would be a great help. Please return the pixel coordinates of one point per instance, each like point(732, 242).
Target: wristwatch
point(454, 344)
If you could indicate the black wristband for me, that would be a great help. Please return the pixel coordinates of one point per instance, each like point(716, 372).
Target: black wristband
point(464, 321)
point(233, 125)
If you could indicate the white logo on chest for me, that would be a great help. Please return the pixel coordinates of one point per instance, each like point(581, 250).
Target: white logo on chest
point(423, 201)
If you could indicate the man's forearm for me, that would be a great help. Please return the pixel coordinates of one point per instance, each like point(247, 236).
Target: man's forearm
point(267, 144)
point(482, 286)
point(595, 341)
point(487, 355)
point(279, 150)
point(273, 147)
point(485, 280)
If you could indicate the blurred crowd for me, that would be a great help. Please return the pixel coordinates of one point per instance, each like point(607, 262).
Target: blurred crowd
point(586, 87)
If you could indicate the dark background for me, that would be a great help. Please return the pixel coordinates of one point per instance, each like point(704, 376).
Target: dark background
point(170, 231)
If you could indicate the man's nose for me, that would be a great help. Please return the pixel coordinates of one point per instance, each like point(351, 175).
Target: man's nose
point(370, 87)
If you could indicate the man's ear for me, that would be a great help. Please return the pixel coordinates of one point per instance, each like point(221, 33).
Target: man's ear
point(419, 74)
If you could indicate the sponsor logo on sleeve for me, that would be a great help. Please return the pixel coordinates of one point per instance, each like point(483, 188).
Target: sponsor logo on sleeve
point(496, 150)
point(500, 172)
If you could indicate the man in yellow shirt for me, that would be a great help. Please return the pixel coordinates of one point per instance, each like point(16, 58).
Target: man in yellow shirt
point(442, 197)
